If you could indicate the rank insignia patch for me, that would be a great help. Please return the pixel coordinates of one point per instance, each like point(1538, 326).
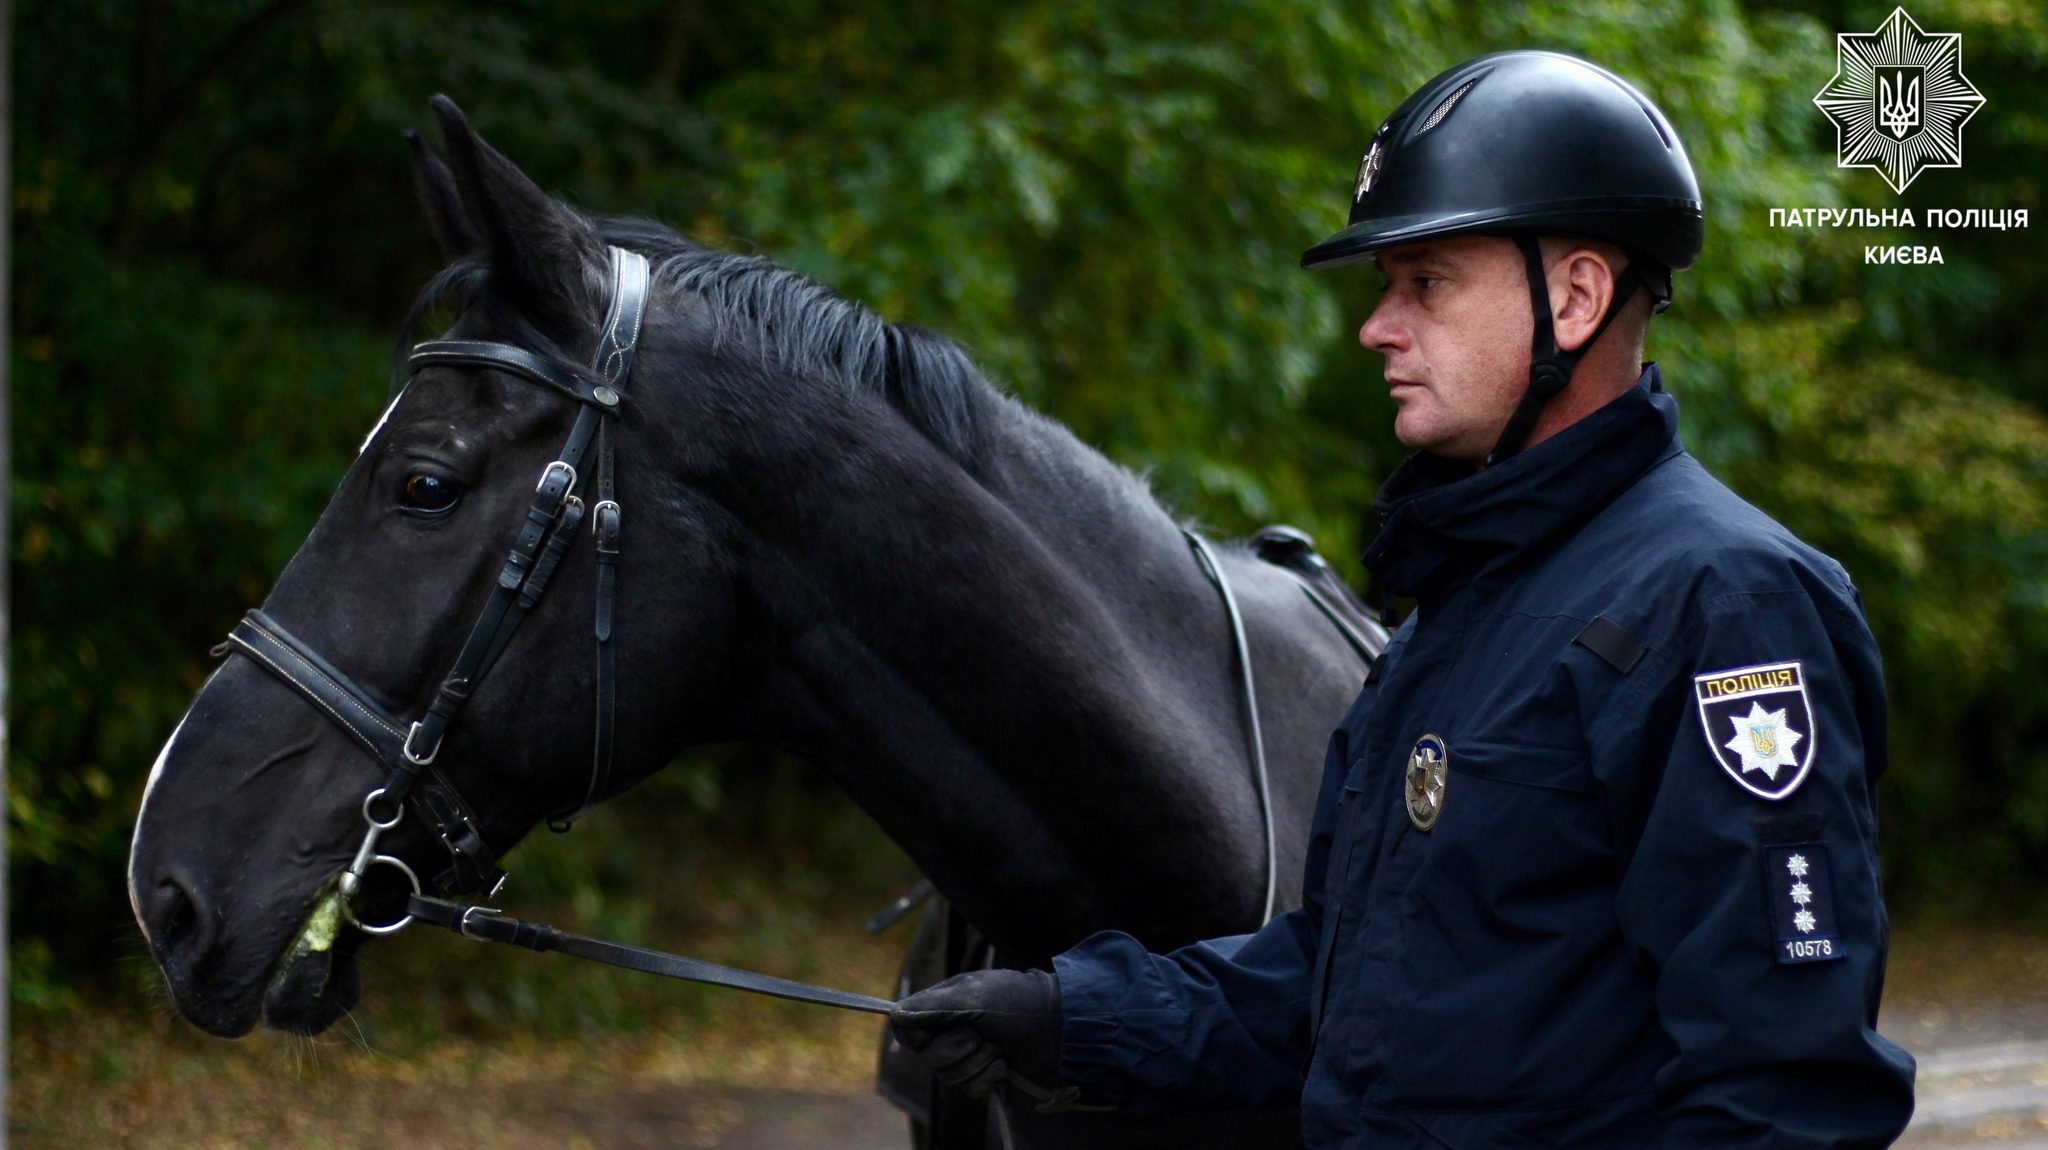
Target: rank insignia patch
point(1802, 895)
point(1758, 726)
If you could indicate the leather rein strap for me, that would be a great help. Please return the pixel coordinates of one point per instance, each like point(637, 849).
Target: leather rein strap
point(485, 924)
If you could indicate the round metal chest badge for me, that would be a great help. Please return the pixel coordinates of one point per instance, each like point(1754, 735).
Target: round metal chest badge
point(1429, 767)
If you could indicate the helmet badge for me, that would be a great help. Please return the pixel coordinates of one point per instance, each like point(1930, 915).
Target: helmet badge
point(1369, 168)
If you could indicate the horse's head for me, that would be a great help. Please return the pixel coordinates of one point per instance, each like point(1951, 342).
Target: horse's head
point(256, 806)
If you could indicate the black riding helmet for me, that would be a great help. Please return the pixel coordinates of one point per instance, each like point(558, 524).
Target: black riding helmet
point(1525, 144)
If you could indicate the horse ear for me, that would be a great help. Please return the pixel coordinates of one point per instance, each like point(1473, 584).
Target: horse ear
point(436, 187)
point(546, 258)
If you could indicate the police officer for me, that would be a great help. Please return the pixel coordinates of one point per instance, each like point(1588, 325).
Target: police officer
point(1594, 862)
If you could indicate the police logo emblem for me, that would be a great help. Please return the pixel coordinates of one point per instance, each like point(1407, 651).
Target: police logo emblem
point(1899, 99)
point(1429, 767)
point(1758, 726)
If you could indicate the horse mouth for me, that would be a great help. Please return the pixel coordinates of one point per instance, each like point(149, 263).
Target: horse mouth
point(316, 980)
point(309, 983)
point(311, 992)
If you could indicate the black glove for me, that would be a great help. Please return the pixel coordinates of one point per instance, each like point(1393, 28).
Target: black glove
point(987, 1027)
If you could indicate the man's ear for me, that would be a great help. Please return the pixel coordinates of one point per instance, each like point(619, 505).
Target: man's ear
point(1581, 289)
point(545, 259)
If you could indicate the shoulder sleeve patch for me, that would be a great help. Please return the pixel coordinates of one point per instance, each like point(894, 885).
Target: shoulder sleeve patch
point(1801, 895)
point(1758, 726)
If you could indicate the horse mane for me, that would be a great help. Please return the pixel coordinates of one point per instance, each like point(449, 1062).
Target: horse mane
point(787, 318)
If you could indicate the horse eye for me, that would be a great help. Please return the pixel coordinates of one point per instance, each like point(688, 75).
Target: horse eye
point(429, 494)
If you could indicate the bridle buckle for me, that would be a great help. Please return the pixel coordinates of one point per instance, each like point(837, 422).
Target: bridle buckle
point(414, 757)
point(553, 468)
point(462, 924)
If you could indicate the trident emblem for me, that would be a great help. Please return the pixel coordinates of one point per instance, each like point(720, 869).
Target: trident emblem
point(1898, 100)
point(1764, 736)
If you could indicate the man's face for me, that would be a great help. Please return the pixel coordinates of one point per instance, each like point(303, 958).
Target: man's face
point(1454, 325)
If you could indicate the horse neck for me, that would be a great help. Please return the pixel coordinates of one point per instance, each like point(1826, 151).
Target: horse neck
point(994, 664)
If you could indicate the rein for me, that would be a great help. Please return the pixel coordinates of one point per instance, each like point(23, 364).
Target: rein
point(486, 924)
point(549, 528)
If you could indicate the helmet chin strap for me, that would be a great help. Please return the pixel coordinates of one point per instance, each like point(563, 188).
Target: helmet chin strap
point(1550, 369)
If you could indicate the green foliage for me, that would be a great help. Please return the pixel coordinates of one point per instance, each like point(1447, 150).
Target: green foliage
point(1933, 492)
point(133, 548)
point(1105, 202)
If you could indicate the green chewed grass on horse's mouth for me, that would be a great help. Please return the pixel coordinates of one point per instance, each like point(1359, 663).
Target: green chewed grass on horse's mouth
point(321, 929)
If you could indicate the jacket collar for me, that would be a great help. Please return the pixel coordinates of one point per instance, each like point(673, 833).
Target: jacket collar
point(1442, 521)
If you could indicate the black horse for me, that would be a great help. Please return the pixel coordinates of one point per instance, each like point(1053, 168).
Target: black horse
point(837, 539)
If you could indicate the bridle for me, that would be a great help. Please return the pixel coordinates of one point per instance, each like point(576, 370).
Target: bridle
point(549, 528)
point(408, 752)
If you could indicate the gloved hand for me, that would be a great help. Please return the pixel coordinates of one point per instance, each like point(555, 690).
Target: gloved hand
point(987, 1027)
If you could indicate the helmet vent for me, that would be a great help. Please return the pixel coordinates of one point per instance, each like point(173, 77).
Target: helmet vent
point(1444, 109)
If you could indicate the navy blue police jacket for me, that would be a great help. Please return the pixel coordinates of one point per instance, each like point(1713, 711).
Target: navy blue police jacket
point(1647, 911)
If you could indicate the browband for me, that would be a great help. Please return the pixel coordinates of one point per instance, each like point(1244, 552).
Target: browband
point(616, 342)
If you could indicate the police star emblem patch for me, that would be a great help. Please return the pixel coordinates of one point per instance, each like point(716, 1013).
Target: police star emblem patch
point(1758, 726)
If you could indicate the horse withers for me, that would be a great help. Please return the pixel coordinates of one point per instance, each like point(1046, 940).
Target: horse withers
point(815, 530)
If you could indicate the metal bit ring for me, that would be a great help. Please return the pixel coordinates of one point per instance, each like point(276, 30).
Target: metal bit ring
point(348, 909)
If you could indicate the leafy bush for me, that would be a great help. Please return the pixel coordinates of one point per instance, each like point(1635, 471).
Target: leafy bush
point(214, 237)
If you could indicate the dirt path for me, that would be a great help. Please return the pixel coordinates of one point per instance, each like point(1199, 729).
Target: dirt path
point(457, 1070)
point(725, 1120)
point(1983, 1077)
point(1983, 1083)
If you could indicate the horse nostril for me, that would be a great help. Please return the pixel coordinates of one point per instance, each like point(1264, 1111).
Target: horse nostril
point(177, 916)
